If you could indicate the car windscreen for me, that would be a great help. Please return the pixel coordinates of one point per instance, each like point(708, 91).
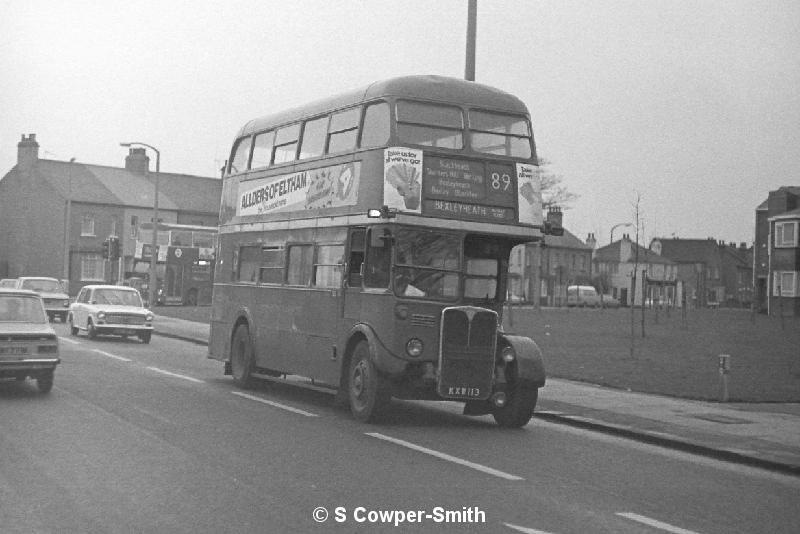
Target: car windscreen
point(43, 286)
point(21, 309)
point(117, 297)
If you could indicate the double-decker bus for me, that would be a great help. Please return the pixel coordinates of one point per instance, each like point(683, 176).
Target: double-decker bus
point(364, 244)
point(185, 261)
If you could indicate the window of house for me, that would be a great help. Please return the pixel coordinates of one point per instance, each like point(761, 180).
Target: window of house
point(87, 225)
point(343, 130)
point(314, 134)
point(375, 131)
point(328, 267)
point(240, 156)
point(262, 150)
point(286, 139)
point(92, 268)
point(134, 226)
point(785, 284)
point(430, 124)
point(300, 265)
point(786, 234)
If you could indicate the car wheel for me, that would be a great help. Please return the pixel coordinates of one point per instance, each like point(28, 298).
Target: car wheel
point(519, 409)
point(368, 391)
point(63, 317)
point(72, 328)
point(45, 381)
point(91, 330)
point(242, 358)
point(145, 337)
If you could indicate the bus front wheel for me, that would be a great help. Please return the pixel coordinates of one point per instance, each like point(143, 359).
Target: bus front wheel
point(519, 409)
point(368, 392)
point(242, 358)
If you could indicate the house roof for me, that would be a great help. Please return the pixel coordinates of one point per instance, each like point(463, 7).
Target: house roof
point(99, 184)
point(795, 190)
point(699, 250)
point(613, 252)
point(792, 214)
point(568, 240)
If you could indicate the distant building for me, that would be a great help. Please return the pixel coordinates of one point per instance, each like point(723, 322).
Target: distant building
point(712, 273)
point(55, 215)
point(634, 274)
point(776, 262)
point(542, 272)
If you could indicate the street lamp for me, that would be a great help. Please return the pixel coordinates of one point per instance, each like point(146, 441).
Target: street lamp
point(617, 226)
point(151, 286)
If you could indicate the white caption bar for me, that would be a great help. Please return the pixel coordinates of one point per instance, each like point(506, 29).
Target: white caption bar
point(109, 355)
point(176, 375)
point(443, 456)
point(655, 523)
point(275, 404)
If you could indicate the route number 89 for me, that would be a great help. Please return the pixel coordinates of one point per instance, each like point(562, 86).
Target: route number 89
point(499, 181)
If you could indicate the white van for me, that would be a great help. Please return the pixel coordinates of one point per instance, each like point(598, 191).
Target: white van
point(583, 296)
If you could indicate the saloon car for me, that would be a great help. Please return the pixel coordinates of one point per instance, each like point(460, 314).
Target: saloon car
point(56, 300)
point(110, 310)
point(28, 344)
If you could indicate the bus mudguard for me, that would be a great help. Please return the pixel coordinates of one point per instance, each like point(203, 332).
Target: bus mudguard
point(530, 364)
point(386, 361)
point(242, 316)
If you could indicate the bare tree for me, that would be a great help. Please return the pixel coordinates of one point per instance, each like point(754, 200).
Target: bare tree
point(637, 216)
point(554, 193)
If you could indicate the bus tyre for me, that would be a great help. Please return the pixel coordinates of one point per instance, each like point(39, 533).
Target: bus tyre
point(45, 381)
point(242, 358)
point(368, 392)
point(519, 409)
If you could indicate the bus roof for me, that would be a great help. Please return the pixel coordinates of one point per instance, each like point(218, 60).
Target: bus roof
point(423, 87)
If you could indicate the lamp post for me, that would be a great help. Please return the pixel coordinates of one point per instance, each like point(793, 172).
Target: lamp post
point(67, 217)
point(617, 226)
point(151, 286)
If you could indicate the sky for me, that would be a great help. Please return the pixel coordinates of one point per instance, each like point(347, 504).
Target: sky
point(686, 110)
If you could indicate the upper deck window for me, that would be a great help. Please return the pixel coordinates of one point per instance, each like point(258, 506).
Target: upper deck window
point(343, 130)
point(241, 155)
point(430, 125)
point(376, 125)
point(262, 149)
point(286, 143)
point(504, 135)
point(314, 133)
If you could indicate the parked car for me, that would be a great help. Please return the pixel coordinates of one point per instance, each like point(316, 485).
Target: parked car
point(106, 309)
point(56, 300)
point(582, 296)
point(8, 282)
point(28, 344)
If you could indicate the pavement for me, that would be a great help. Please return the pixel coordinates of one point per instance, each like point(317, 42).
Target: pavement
point(765, 435)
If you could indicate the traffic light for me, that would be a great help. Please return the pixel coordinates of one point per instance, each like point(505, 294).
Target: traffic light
point(106, 250)
point(114, 248)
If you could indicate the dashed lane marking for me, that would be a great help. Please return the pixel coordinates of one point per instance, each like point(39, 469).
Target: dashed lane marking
point(444, 456)
point(176, 375)
point(274, 404)
point(525, 530)
point(655, 523)
point(109, 355)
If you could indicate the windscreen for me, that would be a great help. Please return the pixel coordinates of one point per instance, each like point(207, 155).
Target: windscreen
point(117, 297)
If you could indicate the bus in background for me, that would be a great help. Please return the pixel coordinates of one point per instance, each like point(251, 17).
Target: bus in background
point(364, 244)
point(185, 262)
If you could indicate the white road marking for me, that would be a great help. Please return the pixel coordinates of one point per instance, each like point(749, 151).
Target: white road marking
point(275, 404)
point(176, 375)
point(443, 456)
point(526, 530)
point(120, 358)
point(68, 340)
point(655, 523)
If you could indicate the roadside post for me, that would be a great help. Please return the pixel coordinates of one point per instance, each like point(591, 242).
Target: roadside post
point(724, 371)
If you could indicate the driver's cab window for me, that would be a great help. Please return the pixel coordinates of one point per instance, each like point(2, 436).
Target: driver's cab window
point(378, 258)
point(355, 260)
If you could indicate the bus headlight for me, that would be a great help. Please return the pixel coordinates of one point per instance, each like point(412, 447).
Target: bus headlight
point(508, 354)
point(414, 347)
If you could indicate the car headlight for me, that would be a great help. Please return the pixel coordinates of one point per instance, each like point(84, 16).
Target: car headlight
point(148, 317)
point(66, 303)
point(101, 315)
point(508, 354)
point(414, 347)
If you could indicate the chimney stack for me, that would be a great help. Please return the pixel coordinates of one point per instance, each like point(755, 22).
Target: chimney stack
point(591, 241)
point(27, 151)
point(137, 160)
point(555, 216)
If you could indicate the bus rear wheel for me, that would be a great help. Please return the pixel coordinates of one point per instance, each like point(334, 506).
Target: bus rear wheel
point(242, 358)
point(519, 409)
point(368, 392)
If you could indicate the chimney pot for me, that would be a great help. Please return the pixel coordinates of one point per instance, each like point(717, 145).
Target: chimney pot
point(27, 151)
